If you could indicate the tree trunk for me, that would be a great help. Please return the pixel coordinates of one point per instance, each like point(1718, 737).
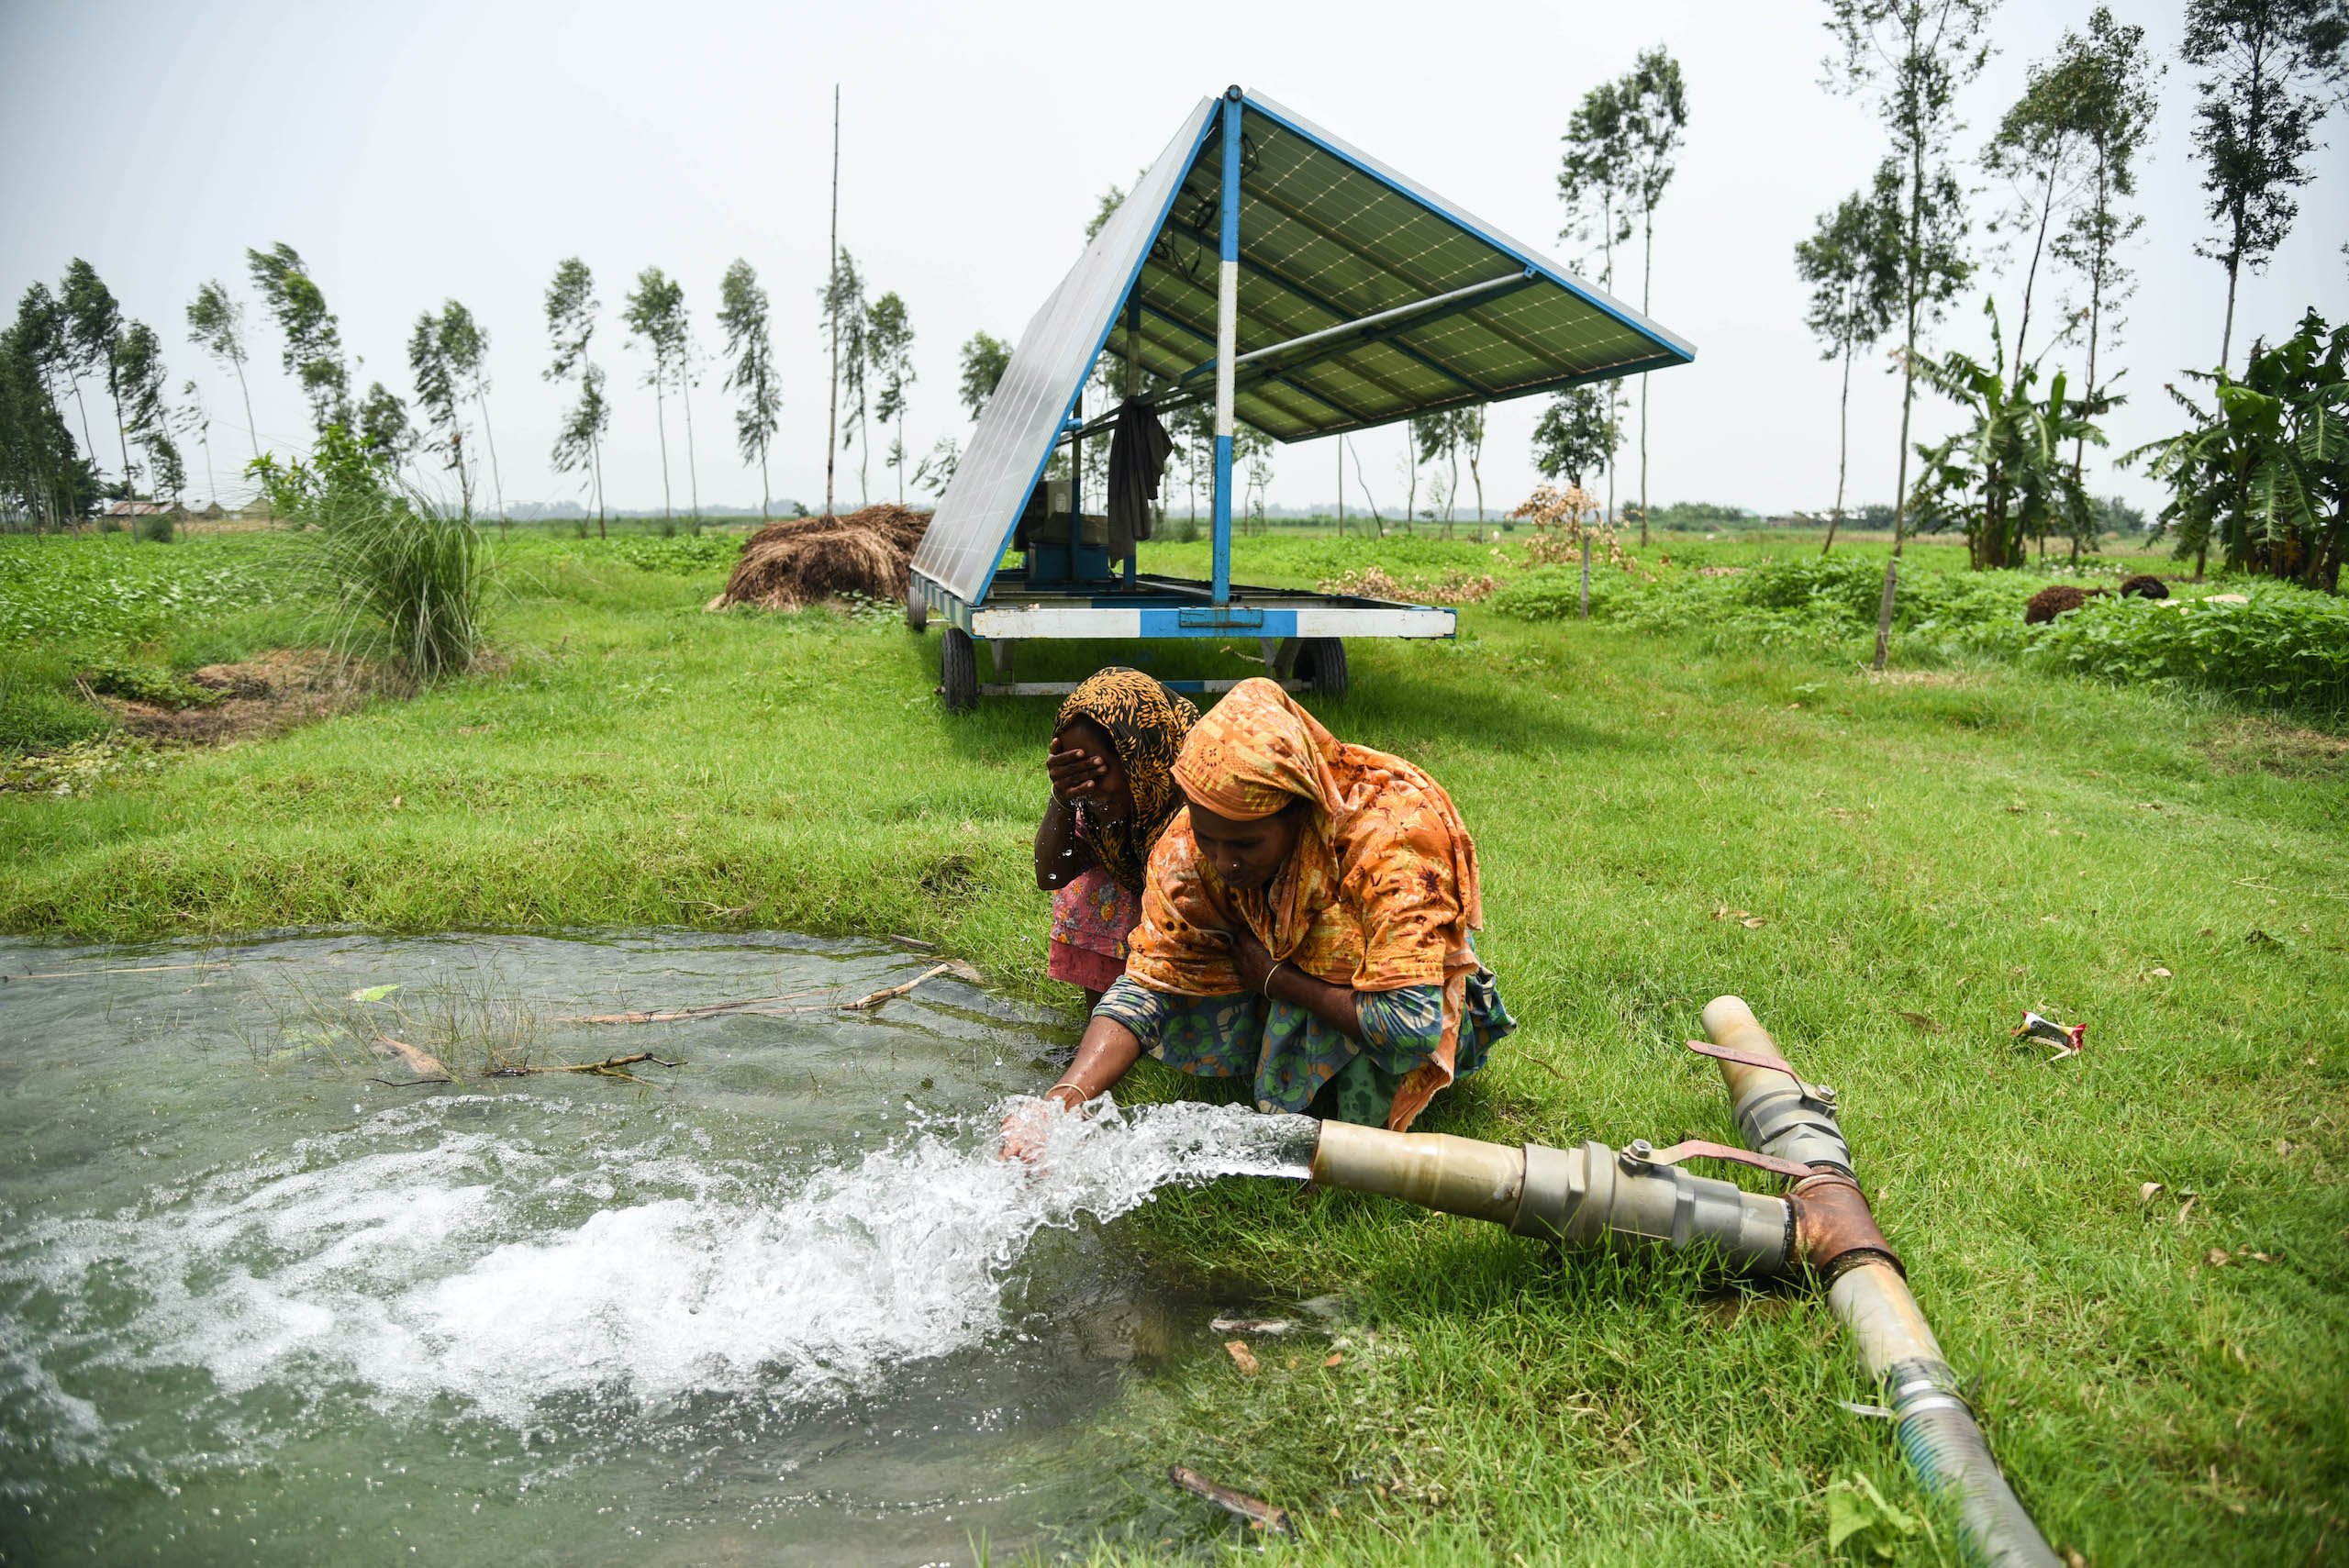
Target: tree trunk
point(1476, 478)
point(1647, 277)
point(481, 399)
point(661, 424)
point(2031, 274)
point(831, 279)
point(2096, 305)
point(1843, 450)
point(766, 494)
point(596, 450)
point(693, 468)
point(88, 445)
point(250, 431)
point(1907, 400)
point(121, 431)
point(2227, 334)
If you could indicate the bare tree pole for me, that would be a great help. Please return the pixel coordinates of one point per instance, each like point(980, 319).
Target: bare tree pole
point(832, 418)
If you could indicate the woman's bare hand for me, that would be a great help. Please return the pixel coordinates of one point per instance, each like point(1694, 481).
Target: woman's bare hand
point(1074, 775)
point(1026, 1130)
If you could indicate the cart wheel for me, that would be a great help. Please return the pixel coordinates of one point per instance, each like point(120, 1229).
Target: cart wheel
point(958, 671)
point(917, 608)
point(1321, 665)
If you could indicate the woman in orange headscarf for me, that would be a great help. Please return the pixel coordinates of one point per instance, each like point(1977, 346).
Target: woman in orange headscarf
point(1305, 923)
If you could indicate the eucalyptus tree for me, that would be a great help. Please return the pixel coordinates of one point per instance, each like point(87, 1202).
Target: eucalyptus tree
point(742, 312)
point(437, 394)
point(313, 341)
point(571, 307)
point(384, 430)
point(147, 417)
point(2038, 150)
point(1656, 115)
point(2112, 77)
point(92, 329)
point(843, 317)
point(984, 358)
point(42, 473)
point(889, 344)
point(1571, 439)
point(655, 313)
point(215, 323)
point(1598, 184)
point(2274, 68)
point(465, 348)
point(1850, 261)
point(1913, 56)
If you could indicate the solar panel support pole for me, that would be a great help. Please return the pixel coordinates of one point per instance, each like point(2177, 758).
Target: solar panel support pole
point(1133, 390)
point(1227, 344)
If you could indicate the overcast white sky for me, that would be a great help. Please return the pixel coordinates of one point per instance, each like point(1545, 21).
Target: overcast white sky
point(433, 148)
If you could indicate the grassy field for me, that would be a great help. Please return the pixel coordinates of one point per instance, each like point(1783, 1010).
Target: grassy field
point(2139, 1256)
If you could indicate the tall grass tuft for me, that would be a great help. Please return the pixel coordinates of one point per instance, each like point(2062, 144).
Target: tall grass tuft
point(403, 572)
point(406, 575)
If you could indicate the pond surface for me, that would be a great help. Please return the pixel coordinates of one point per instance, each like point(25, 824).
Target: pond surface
point(263, 1296)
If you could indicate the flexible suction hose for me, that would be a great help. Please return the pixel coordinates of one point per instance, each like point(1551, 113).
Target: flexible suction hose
point(1781, 1117)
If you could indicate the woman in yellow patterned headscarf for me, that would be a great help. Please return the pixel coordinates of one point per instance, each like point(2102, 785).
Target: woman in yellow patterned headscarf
point(1306, 924)
point(1111, 770)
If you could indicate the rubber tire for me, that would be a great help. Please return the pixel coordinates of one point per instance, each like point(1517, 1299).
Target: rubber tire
point(916, 610)
point(958, 671)
point(1321, 665)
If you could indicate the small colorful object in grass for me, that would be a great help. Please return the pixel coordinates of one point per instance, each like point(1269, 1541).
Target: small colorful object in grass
point(1242, 1357)
point(2067, 1038)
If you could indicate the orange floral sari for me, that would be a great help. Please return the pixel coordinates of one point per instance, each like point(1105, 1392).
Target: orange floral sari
point(1380, 892)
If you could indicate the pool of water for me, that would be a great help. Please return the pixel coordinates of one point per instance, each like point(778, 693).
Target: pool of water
point(264, 1296)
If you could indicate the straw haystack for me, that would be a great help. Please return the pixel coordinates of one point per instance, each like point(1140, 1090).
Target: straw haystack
point(786, 565)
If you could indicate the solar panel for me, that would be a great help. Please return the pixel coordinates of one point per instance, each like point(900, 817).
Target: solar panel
point(1327, 235)
point(1022, 419)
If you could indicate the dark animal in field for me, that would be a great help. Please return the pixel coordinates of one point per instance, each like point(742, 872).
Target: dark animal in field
point(2144, 585)
point(2059, 598)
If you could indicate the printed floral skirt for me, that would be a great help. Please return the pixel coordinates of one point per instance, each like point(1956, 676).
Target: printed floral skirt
point(1090, 918)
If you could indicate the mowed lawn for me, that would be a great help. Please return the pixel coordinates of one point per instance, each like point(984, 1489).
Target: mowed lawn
point(2139, 1256)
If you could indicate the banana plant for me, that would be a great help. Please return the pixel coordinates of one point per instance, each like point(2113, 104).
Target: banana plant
point(2002, 480)
point(2264, 472)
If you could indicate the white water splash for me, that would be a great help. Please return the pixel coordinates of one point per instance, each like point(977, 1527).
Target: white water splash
point(422, 1262)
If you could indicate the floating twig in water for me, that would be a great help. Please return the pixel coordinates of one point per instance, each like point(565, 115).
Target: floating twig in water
point(410, 1083)
point(916, 943)
point(610, 1067)
point(673, 1015)
point(892, 992)
point(1255, 1510)
point(758, 1006)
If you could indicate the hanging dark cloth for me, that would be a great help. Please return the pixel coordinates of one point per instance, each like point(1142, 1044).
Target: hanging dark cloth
point(1138, 449)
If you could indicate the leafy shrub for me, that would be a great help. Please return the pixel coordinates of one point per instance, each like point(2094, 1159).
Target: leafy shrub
point(101, 590)
point(2284, 647)
point(154, 528)
point(684, 556)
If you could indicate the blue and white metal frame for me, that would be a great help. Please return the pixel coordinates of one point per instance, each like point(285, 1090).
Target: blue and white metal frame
point(1226, 345)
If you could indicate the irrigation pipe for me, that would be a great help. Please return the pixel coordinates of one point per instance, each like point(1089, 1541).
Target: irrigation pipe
point(1595, 1196)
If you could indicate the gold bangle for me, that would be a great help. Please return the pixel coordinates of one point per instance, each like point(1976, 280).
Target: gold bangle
point(1268, 976)
point(1077, 1088)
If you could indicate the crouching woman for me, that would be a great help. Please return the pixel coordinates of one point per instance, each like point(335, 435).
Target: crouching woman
point(1305, 925)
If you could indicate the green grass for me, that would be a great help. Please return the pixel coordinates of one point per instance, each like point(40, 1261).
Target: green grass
point(1960, 843)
